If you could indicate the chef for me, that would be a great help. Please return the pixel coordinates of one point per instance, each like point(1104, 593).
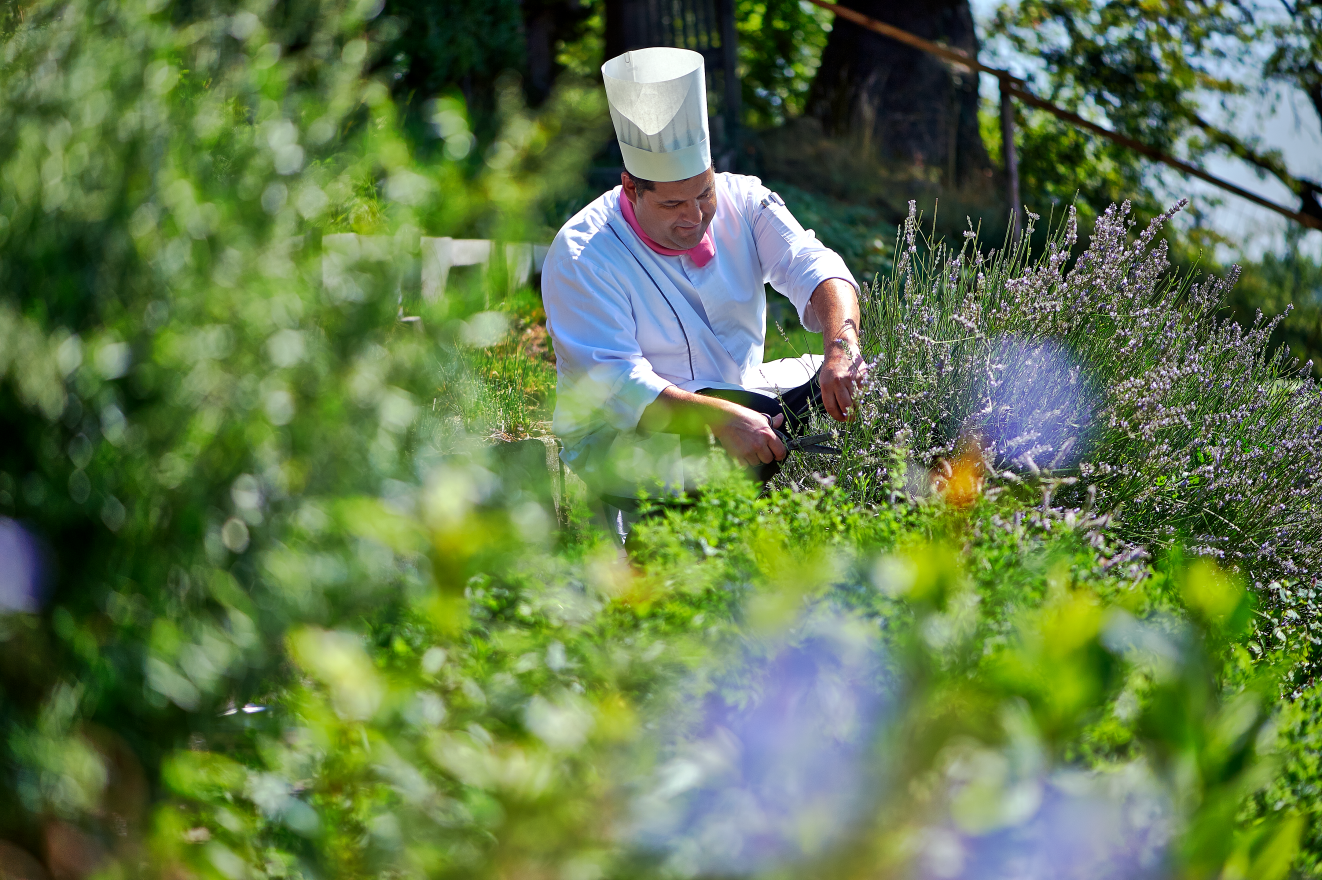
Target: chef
point(655, 300)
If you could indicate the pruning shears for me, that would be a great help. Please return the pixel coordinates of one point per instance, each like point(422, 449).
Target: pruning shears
point(814, 443)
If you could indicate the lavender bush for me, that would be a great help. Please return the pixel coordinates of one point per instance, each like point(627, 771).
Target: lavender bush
point(1109, 382)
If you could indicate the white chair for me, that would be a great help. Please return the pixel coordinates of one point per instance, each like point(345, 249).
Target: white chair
point(345, 253)
point(518, 262)
point(439, 255)
point(470, 252)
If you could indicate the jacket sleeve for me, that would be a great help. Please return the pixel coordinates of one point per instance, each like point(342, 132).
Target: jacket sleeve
point(601, 371)
point(794, 262)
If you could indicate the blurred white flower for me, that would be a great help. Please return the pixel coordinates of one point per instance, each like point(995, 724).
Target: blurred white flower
point(563, 724)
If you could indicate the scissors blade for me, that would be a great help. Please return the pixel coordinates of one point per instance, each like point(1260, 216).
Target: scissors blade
point(804, 442)
point(811, 444)
point(818, 449)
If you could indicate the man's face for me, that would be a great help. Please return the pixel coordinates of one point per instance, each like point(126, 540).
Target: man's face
point(675, 214)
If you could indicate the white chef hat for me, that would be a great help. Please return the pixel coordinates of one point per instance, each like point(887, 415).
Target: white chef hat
point(658, 102)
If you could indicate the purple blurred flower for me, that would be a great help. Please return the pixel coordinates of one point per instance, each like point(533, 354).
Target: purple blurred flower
point(1036, 409)
point(1083, 827)
point(22, 569)
point(782, 773)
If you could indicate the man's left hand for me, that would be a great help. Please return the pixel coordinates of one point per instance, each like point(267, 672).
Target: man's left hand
point(835, 305)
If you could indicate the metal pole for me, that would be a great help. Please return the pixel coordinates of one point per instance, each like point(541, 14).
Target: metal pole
point(1011, 159)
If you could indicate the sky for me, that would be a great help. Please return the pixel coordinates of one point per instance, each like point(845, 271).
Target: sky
point(1287, 123)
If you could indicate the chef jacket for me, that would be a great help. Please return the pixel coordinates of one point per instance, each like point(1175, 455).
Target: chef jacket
point(627, 322)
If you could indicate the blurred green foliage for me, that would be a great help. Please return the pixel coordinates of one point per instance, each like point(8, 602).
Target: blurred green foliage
point(432, 48)
point(780, 47)
point(190, 410)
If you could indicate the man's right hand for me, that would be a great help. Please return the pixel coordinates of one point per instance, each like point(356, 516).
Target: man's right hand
point(744, 433)
point(748, 437)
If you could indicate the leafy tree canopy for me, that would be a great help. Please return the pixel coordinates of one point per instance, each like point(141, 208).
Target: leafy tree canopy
point(1149, 70)
point(780, 47)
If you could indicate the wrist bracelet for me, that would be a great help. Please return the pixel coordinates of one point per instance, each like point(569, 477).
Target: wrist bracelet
point(851, 348)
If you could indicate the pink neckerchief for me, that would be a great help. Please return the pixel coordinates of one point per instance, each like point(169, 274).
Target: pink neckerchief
point(701, 254)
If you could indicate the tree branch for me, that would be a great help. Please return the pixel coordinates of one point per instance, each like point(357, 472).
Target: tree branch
point(1306, 190)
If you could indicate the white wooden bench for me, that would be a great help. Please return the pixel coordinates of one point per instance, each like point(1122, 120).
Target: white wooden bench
point(346, 256)
point(439, 255)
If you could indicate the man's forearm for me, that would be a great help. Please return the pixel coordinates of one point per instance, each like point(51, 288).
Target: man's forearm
point(745, 433)
point(682, 412)
point(836, 305)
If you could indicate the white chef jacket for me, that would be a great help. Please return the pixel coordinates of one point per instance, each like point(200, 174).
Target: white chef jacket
point(627, 322)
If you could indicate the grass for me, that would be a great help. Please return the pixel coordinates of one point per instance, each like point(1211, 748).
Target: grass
point(790, 342)
point(499, 377)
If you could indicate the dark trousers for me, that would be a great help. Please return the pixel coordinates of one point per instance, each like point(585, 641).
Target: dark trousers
point(795, 405)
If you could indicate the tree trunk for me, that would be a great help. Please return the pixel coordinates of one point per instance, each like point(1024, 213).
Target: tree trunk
point(539, 33)
point(546, 24)
point(901, 102)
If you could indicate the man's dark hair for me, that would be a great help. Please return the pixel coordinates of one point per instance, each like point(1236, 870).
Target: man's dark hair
point(640, 184)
